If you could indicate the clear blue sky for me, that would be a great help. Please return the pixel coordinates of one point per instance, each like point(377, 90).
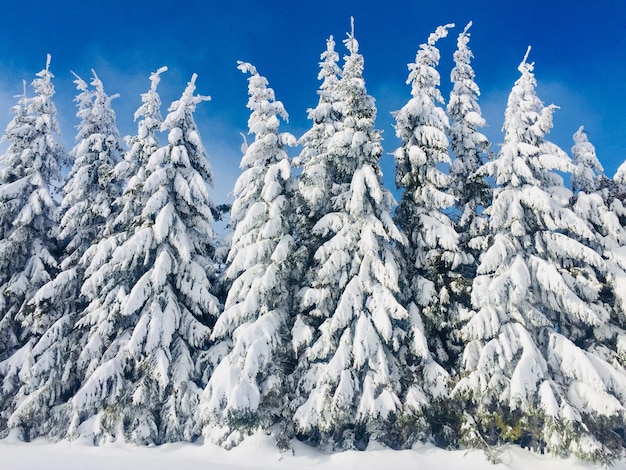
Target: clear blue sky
point(579, 51)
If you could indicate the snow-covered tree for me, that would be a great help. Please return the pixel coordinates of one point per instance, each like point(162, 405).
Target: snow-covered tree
point(470, 189)
point(350, 331)
point(594, 201)
point(468, 147)
point(527, 376)
point(247, 388)
point(88, 195)
point(141, 146)
point(90, 190)
point(28, 219)
point(588, 169)
point(320, 179)
point(432, 251)
point(52, 379)
point(150, 302)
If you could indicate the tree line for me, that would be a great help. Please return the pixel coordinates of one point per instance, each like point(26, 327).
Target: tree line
point(487, 306)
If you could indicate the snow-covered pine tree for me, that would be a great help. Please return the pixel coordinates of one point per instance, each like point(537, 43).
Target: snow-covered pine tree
point(470, 189)
point(351, 328)
point(588, 169)
point(90, 191)
point(132, 168)
point(247, 388)
point(88, 195)
point(28, 224)
point(43, 408)
point(617, 193)
point(468, 147)
point(594, 202)
point(432, 251)
point(150, 302)
point(526, 375)
point(319, 180)
point(620, 174)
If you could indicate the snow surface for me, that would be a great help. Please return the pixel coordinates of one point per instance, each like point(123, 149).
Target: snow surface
point(260, 452)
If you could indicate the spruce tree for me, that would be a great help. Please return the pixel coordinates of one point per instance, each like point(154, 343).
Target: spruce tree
point(594, 202)
point(150, 301)
point(588, 170)
point(432, 251)
point(319, 180)
point(90, 190)
point(53, 379)
point(617, 192)
point(620, 174)
point(88, 195)
point(247, 388)
point(468, 147)
point(526, 375)
point(349, 334)
point(470, 189)
point(28, 224)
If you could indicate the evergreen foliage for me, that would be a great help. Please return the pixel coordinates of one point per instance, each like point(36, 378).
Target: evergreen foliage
point(536, 296)
point(352, 327)
point(468, 147)
point(432, 250)
point(149, 290)
point(490, 308)
point(28, 226)
point(247, 388)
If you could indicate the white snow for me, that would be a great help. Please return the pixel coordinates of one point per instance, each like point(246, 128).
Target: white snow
point(260, 452)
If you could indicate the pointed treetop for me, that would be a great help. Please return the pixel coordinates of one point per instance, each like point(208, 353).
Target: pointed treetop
point(427, 56)
point(351, 43)
point(588, 168)
point(247, 67)
point(188, 99)
point(440, 33)
point(96, 82)
point(81, 84)
point(155, 77)
point(525, 66)
point(330, 43)
point(467, 27)
point(43, 83)
point(259, 92)
point(150, 108)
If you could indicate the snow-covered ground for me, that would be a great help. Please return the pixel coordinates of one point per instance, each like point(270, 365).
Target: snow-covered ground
point(260, 452)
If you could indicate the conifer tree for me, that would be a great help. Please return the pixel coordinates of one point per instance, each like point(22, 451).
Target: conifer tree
point(526, 375)
point(320, 178)
point(432, 251)
point(617, 189)
point(349, 334)
point(53, 379)
point(145, 326)
point(28, 224)
point(90, 191)
point(247, 389)
point(588, 170)
point(468, 147)
point(470, 189)
point(620, 174)
point(132, 168)
point(88, 196)
point(594, 202)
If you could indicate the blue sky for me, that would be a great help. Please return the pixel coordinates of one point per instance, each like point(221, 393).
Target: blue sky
point(579, 52)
